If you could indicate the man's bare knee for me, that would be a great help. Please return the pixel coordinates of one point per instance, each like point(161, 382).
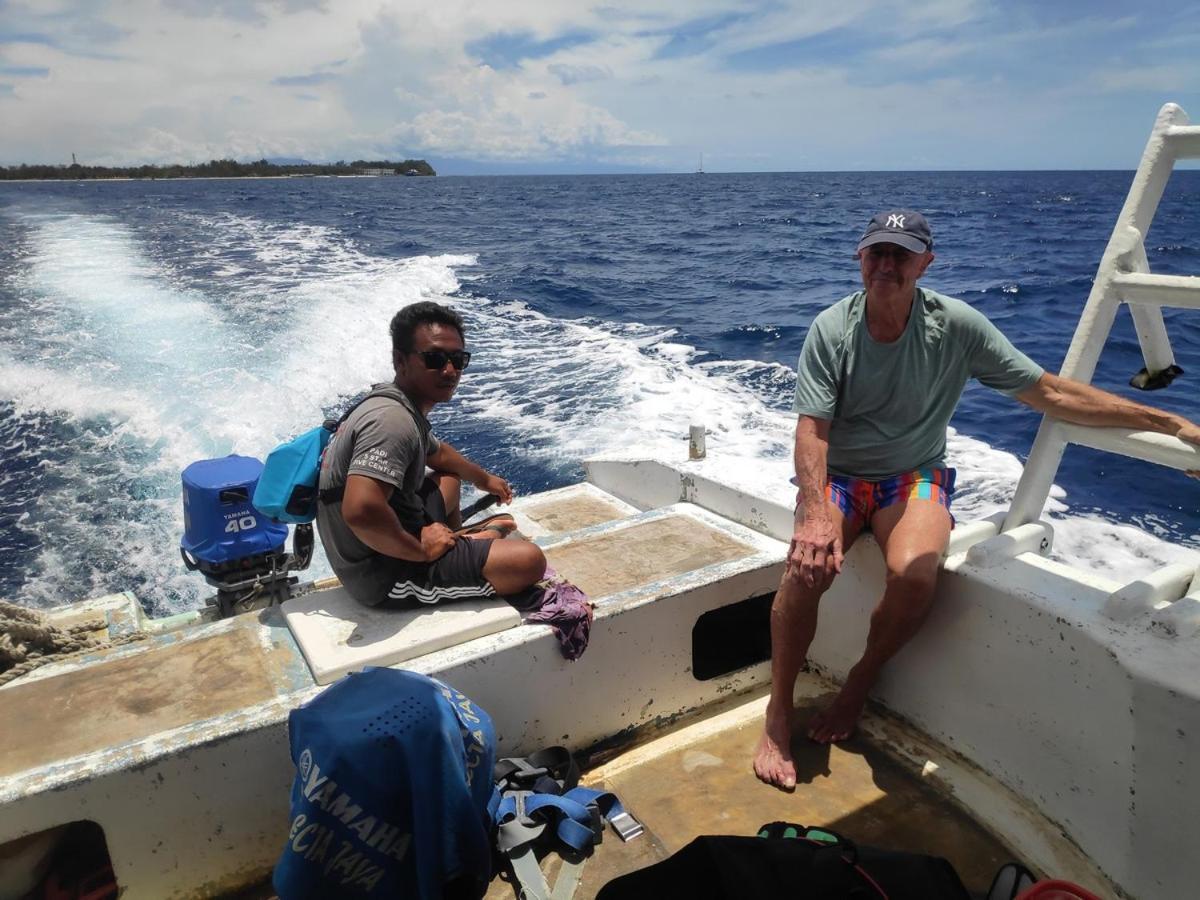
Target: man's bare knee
point(917, 581)
point(792, 588)
point(530, 559)
point(514, 565)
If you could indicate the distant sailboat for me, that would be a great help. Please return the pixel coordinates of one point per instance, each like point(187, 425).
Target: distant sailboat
point(700, 168)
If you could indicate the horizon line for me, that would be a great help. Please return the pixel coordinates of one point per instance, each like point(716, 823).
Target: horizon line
point(599, 173)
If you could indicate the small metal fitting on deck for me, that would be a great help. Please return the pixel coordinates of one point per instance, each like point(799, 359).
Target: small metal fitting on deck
point(696, 449)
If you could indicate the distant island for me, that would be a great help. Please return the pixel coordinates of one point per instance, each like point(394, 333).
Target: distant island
point(217, 168)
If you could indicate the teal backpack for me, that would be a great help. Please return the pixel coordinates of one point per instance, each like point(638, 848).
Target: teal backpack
point(288, 488)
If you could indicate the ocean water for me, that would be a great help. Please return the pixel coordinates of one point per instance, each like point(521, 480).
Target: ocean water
point(144, 325)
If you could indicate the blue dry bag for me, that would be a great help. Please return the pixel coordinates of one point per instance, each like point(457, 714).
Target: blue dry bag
point(287, 488)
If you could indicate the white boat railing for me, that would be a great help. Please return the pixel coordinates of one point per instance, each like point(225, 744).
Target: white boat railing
point(1123, 277)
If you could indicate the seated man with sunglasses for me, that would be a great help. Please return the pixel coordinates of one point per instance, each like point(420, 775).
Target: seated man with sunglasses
point(390, 534)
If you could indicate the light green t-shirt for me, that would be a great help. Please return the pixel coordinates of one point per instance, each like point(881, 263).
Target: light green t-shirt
point(890, 403)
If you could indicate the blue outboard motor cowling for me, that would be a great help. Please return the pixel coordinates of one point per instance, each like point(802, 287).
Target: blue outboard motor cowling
point(237, 549)
point(220, 525)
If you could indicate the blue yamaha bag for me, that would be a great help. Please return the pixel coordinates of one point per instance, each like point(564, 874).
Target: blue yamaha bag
point(392, 792)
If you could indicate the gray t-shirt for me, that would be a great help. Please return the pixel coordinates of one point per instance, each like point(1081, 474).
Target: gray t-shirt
point(890, 403)
point(385, 438)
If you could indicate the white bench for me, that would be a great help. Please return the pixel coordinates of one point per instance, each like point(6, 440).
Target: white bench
point(339, 635)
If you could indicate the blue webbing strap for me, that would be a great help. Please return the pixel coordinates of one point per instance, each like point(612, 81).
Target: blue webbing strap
point(493, 806)
point(577, 817)
point(571, 820)
point(536, 797)
point(606, 801)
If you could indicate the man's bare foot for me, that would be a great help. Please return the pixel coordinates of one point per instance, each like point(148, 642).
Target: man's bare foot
point(500, 525)
point(773, 757)
point(837, 721)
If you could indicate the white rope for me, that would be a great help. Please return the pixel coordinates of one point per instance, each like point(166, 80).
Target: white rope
point(28, 640)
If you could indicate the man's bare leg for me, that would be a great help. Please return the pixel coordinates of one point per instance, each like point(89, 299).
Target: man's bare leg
point(451, 490)
point(913, 536)
point(793, 624)
point(512, 566)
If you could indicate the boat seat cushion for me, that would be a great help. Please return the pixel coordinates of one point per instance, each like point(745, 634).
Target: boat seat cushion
point(338, 635)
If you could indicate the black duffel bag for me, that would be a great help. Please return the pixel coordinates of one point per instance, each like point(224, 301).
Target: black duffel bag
point(793, 862)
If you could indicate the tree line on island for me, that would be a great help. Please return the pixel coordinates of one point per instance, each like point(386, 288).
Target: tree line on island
point(217, 168)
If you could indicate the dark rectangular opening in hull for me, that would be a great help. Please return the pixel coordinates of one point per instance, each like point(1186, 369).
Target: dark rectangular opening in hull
point(732, 637)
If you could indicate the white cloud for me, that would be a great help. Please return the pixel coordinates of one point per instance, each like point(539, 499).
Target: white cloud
point(185, 80)
point(569, 74)
point(442, 101)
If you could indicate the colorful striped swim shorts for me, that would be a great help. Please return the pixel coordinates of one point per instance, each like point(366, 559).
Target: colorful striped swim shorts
point(859, 499)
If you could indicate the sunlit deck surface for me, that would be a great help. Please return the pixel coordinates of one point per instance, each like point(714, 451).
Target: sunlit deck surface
point(683, 786)
point(699, 781)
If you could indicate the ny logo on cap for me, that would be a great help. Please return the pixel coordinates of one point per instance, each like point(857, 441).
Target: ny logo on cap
point(895, 221)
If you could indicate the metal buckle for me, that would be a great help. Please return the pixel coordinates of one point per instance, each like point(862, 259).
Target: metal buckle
point(626, 826)
point(525, 773)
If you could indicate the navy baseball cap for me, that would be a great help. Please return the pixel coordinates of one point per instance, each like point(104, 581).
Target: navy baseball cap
point(903, 227)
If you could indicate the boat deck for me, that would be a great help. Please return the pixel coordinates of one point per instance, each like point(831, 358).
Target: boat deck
point(676, 668)
point(699, 781)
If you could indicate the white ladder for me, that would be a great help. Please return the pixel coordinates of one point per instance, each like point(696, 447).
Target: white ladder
point(1124, 277)
point(1170, 596)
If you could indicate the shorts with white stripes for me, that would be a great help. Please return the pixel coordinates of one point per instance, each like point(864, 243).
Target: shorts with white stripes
point(456, 575)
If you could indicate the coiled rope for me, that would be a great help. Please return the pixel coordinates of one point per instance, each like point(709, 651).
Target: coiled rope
point(28, 640)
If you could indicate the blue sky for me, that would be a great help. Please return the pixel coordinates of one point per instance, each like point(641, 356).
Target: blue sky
point(539, 86)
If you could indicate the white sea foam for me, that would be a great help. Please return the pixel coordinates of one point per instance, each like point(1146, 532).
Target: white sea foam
point(168, 375)
point(113, 349)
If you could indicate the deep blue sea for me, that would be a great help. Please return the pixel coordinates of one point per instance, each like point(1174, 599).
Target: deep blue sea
point(144, 325)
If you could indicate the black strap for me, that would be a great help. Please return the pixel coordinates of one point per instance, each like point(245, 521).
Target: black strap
point(549, 771)
point(1011, 879)
point(334, 495)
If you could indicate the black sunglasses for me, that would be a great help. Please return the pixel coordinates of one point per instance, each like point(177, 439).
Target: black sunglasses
point(437, 359)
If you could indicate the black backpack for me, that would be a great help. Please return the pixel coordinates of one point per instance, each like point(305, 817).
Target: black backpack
point(792, 861)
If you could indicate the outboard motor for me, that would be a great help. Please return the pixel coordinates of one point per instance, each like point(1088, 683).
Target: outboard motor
point(237, 549)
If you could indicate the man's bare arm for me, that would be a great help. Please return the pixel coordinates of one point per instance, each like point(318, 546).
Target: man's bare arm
point(1082, 404)
point(447, 459)
point(366, 511)
point(816, 552)
point(809, 456)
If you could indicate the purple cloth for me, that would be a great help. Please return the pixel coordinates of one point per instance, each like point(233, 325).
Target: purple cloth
point(565, 608)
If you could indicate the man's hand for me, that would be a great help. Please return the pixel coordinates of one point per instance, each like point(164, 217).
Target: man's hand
point(815, 555)
point(436, 541)
point(494, 484)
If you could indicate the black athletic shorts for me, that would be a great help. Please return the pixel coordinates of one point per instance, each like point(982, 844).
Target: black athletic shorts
point(456, 575)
